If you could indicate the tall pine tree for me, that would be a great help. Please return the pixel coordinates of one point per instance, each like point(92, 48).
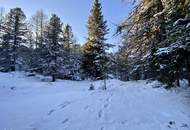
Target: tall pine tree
point(94, 51)
point(71, 63)
point(53, 56)
point(14, 35)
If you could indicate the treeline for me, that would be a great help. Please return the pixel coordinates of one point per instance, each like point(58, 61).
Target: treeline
point(39, 44)
point(47, 46)
point(156, 42)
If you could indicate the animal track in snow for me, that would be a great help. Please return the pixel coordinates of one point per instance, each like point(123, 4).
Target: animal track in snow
point(106, 105)
point(172, 125)
point(50, 112)
point(65, 121)
point(185, 125)
point(102, 128)
point(63, 105)
point(86, 107)
point(100, 114)
point(124, 122)
point(107, 99)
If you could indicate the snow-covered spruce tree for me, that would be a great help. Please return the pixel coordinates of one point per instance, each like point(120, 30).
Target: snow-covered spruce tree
point(68, 41)
point(118, 66)
point(30, 60)
point(76, 62)
point(141, 33)
point(157, 35)
point(14, 36)
point(68, 38)
point(71, 55)
point(2, 19)
point(156, 41)
point(94, 51)
point(53, 56)
point(173, 56)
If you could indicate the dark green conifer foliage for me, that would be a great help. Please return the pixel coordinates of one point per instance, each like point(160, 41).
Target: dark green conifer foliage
point(53, 47)
point(14, 32)
point(94, 51)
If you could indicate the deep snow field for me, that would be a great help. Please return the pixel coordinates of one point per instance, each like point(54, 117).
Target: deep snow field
point(30, 103)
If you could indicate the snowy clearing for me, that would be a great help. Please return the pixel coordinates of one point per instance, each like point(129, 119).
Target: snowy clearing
point(28, 103)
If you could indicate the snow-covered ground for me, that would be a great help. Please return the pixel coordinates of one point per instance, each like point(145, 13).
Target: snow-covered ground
point(28, 103)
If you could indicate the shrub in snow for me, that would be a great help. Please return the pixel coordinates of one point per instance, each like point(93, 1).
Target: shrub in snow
point(91, 87)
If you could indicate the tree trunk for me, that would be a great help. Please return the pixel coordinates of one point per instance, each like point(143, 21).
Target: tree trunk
point(178, 83)
point(105, 85)
point(13, 68)
point(188, 72)
point(53, 78)
point(177, 76)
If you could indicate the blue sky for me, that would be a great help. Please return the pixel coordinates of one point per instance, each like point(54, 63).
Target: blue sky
point(75, 12)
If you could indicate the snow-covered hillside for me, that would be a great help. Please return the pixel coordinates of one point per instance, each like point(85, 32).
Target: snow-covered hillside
point(28, 103)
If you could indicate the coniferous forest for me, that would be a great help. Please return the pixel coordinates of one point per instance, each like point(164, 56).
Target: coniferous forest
point(154, 44)
point(49, 80)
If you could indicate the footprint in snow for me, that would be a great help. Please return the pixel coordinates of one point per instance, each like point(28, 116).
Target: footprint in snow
point(100, 114)
point(185, 125)
point(12, 88)
point(172, 125)
point(50, 112)
point(106, 105)
point(107, 99)
point(63, 105)
point(183, 113)
point(124, 122)
point(65, 121)
point(102, 128)
point(86, 107)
